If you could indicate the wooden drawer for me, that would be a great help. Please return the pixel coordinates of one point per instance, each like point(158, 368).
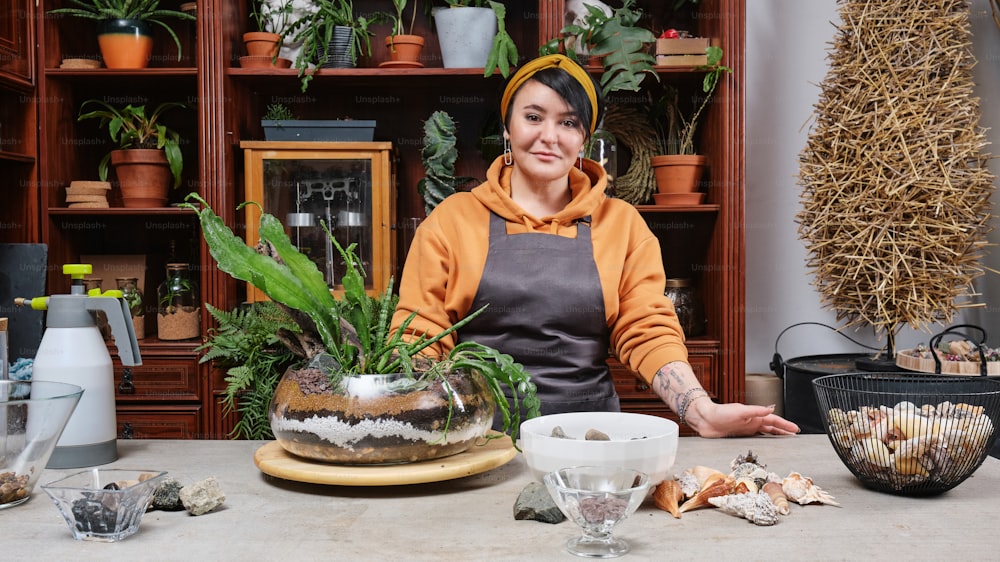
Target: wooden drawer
point(157, 422)
point(158, 378)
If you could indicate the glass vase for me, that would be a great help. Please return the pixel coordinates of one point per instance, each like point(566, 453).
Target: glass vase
point(178, 311)
point(129, 286)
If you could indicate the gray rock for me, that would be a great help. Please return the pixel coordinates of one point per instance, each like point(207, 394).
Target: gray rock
point(202, 497)
point(534, 503)
point(166, 497)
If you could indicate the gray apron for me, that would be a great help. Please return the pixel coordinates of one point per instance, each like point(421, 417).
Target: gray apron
point(546, 310)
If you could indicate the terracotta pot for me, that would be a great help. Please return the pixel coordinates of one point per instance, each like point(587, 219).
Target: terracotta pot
point(125, 43)
point(377, 419)
point(404, 48)
point(261, 43)
point(143, 176)
point(251, 61)
point(678, 173)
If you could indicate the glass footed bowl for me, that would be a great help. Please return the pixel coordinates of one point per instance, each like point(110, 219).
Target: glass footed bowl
point(32, 418)
point(104, 504)
point(597, 498)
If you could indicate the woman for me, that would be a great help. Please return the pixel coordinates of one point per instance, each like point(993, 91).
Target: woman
point(566, 271)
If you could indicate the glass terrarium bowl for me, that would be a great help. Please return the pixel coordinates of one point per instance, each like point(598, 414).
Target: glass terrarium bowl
point(597, 498)
point(378, 419)
point(104, 504)
point(32, 418)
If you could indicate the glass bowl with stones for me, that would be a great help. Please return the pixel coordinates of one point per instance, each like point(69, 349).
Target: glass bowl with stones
point(379, 419)
point(104, 504)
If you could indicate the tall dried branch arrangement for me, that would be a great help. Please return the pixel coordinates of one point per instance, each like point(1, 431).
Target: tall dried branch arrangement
point(896, 191)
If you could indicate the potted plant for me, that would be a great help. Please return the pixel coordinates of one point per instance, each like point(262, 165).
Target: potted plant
point(678, 168)
point(404, 47)
point(280, 124)
point(616, 40)
point(124, 28)
point(439, 155)
point(148, 159)
point(333, 35)
point(473, 37)
point(361, 376)
point(272, 19)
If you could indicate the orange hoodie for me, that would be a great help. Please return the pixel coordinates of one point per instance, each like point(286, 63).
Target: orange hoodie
point(448, 253)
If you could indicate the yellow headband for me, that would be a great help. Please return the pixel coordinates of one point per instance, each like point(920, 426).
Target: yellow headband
point(524, 73)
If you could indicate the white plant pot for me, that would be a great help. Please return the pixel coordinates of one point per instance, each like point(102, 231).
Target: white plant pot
point(465, 35)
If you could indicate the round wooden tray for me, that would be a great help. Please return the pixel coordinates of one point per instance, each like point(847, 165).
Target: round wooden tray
point(908, 359)
point(274, 460)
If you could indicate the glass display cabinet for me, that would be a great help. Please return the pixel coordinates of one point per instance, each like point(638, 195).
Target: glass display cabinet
point(347, 187)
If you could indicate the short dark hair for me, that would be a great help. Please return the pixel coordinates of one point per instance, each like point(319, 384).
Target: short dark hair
point(571, 91)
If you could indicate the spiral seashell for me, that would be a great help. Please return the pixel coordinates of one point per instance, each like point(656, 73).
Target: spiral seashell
point(873, 452)
point(688, 482)
point(778, 497)
point(801, 489)
point(756, 508)
point(667, 497)
point(719, 485)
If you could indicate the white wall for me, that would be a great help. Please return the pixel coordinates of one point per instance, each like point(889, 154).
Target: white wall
point(787, 42)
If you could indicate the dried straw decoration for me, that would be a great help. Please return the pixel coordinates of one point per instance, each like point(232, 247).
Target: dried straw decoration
point(633, 129)
point(896, 191)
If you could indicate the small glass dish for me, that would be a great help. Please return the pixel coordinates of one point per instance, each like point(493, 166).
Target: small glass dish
point(597, 498)
point(104, 504)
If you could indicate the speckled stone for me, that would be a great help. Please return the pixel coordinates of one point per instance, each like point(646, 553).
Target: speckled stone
point(166, 497)
point(534, 503)
point(202, 497)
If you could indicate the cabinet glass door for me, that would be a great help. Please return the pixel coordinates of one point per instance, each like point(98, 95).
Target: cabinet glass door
point(344, 188)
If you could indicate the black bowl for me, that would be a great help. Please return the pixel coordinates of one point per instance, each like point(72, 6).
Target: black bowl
point(909, 434)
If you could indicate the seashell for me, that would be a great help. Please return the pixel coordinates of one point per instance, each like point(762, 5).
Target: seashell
point(746, 485)
point(719, 485)
point(778, 497)
point(872, 451)
point(911, 448)
point(801, 489)
point(752, 472)
point(964, 409)
point(688, 482)
point(908, 466)
point(837, 417)
point(756, 507)
point(748, 458)
point(596, 435)
point(667, 496)
point(843, 439)
point(703, 473)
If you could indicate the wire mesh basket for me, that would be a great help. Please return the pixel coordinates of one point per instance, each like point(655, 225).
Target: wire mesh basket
point(906, 433)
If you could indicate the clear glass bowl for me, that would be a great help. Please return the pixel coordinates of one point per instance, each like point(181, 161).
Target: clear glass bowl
point(104, 504)
point(378, 419)
point(32, 418)
point(597, 498)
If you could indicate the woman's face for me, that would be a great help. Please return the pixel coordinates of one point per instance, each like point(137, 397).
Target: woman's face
point(545, 133)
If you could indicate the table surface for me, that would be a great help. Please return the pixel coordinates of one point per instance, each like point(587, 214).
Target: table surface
point(471, 518)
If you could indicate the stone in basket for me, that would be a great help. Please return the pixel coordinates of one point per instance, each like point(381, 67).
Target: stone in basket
point(957, 357)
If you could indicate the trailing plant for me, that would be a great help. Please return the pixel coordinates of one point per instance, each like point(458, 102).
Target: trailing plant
point(247, 344)
point(144, 10)
point(677, 129)
point(354, 332)
point(439, 155)
point(621, 45)
point(316, 31)
point(131, 127)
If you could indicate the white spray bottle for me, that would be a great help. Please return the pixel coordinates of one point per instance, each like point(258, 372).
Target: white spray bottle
point(73, 351)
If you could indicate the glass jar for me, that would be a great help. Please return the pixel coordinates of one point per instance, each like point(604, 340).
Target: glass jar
point(688, 305)
point(178, 305)
point(129, 286)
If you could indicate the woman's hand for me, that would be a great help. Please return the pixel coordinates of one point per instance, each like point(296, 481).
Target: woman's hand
point(736, 420)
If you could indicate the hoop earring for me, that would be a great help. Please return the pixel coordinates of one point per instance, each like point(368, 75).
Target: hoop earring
point(508, 156)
